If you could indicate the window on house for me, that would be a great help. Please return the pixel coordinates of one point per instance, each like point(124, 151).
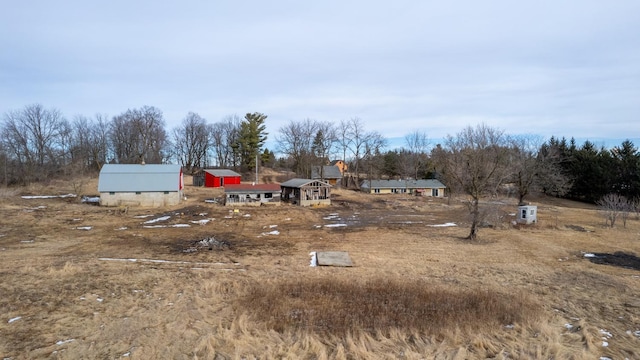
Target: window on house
point(376, 191)
point(268, 195)
point(112, 193)
point(138, 192)
point(434, 192)
point(166, 192)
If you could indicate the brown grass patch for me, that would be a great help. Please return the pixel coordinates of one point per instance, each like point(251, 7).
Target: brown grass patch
point(339, 307)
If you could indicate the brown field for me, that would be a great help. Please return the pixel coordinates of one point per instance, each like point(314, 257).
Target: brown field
point(81, 281)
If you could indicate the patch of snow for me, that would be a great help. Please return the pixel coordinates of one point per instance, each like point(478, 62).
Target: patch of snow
point(317, 226)
point(443, 225)
point(287, 219)
point(122, 228)
point(568, 326)
point(27, 241)
point(273, 226)
point(99, 299)
point(154, 226)
point(202, 214)
point(510, 326)
point(161, 218)
point(211, 201)
point(314, 259)
point(589, 255)
point(62, 342)
point(605, 343)
point(127, 354)
point(331, 217)
point(606, 333)
point(604, 358)
point(247, 215)
point(48, 196)
point(91, 199)
point(274, 232)
point(335, 225)
point(180, 225)
point(142, 216)
point(14, 319)
point(201, 222)
point(84, 227)
point(637, 333)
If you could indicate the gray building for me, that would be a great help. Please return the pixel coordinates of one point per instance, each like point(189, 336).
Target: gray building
point(150, 185)
point(306, 192)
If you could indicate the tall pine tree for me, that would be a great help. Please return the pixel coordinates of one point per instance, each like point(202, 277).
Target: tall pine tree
point(252, 137)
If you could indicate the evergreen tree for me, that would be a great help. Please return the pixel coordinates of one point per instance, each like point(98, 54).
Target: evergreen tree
point(252, 137)
point(626, 175)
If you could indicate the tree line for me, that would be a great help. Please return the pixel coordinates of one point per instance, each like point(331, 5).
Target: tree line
point(39, 143)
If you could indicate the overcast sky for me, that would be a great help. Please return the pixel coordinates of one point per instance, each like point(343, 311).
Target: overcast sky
point(566, 68)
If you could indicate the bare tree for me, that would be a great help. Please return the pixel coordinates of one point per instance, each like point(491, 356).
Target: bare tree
point(536, 167)
point(417, 145)
point(612, 206)
point(296, 141)
point(342, 137)
point(475, 160)
point(33, 141)
point(191, 141)
point(224, 135)
point(139, 136)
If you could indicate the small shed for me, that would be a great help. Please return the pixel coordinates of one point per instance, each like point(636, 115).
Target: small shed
point(423, 187)
point(527, 214)
point(252, 194)
point(306, 192)
point(150, 185)
point(328, 173)
point(220, 177)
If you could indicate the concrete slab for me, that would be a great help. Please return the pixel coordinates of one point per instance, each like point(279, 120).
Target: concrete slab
point(334, 258)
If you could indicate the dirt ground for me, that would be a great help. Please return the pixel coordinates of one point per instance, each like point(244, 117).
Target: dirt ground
point(83, 281)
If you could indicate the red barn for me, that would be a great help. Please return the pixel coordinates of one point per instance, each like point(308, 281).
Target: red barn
point(220, 177)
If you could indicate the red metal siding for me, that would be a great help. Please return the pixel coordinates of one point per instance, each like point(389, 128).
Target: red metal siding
point(215, 181)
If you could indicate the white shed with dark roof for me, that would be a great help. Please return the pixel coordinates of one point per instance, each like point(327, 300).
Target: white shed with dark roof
point(149, 185)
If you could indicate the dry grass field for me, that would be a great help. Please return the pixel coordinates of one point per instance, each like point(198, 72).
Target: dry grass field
point(81, 281)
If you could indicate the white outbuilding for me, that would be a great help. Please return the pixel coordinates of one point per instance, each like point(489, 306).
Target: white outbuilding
point(527, 214)
point(148, 185)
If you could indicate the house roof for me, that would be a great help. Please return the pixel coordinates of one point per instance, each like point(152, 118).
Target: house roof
point(137, 177)
point(297, 183)
point(252, 188)
point(222, 172)
point(328, 172)
point(398, 184)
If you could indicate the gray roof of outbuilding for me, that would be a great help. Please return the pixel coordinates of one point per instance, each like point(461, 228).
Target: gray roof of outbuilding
point(329, 172)
point(136, 177)
point(398, 184)
point(296, 183)
point(222, 172)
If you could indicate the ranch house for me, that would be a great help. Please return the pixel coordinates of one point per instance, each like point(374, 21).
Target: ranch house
point(149, 185)
point(430, 187)
point(306, 192)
